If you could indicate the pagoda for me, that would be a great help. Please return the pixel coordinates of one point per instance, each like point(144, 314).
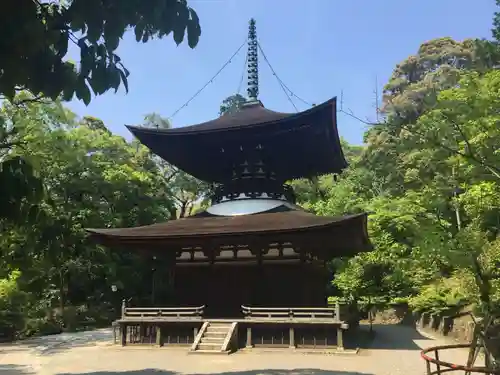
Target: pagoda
point(253, 247)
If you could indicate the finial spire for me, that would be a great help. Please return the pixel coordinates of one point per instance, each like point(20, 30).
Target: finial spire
point(252, 62)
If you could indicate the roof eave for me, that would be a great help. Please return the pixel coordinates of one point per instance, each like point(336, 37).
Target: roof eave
point(189, 130)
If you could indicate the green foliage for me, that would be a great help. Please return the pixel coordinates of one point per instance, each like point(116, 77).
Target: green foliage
point(35, 52)
point(232, 104)
point(12, 301)
point(496, 23)
point(429, 177)
point(91, 178)
point(187, 192)
point(441, 297)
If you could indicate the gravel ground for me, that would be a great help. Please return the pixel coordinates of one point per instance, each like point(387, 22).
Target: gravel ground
point(394, 351)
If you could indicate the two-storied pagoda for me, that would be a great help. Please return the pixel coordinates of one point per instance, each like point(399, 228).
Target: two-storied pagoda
point(253, 247)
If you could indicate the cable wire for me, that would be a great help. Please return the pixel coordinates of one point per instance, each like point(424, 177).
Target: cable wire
point(209, 82)
point(295, 95)
point(277, 78)
point(242, 74)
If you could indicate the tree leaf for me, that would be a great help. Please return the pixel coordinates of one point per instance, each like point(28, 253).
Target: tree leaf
point(62, 44)
point(139, 30)
point(112, 43)
point(124, 76)
point(114, 77)
point(82, 91)
point(193, 29)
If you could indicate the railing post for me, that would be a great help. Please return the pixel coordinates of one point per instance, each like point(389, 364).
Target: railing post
point(436, 357)
point(124, 306)
point(428, 366)
point(292, 337)
point(124, 329)
point(340, 339)
point(159, 341)
point(249, 337)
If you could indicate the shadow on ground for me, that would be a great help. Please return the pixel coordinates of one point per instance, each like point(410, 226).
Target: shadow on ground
point(15, 370)
point(60, 342)
point(385, 337)
point(300, 371)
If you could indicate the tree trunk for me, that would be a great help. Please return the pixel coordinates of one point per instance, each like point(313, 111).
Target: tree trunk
point(183, 209)
point(62, 297)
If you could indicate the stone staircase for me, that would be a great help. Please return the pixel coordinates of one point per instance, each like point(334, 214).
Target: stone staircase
point(215, 338)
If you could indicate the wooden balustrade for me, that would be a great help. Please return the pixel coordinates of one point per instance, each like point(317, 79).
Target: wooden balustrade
point(141, 313)
point(314, 313)
point(296, 325)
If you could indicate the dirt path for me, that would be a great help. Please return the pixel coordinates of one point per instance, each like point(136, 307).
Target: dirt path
point(395, 351)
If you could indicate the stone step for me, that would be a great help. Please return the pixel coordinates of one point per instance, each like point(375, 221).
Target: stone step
point(209, 346)
point(219, 326)
point(217, 330)
point(216, 333)
point(213, 340)
point(204, 351)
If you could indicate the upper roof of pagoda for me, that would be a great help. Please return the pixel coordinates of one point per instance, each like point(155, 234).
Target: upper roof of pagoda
point(295, 145)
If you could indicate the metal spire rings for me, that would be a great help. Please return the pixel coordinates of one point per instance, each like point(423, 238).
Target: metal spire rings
point(253, 62)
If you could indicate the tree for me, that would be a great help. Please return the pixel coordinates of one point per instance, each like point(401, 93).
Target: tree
point(496, 23)
point(185, 190)
point(429, 177)
point(155, 120)
point(92, 179)
point(36, 34)
point(94, 123)
point(232, 104)
point(437, 65)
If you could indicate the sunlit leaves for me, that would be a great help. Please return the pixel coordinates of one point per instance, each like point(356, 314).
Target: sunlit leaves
point(92, 179)
point(428, 176)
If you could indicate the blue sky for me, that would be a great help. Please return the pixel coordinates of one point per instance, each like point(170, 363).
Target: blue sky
point(319, 48)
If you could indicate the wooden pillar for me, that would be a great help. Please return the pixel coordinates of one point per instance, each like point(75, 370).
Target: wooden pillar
point(195, 332)
point(337, 312)
point(142, 332)
point(292, 337)
point(114, 333)
point(159, 341)
point(124, 308)
point(123, 331)
point(249, 337)
point(340, 339)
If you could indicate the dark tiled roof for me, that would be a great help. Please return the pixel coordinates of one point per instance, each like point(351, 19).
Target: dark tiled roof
point(252, 114)
point(297, 145)
point(335, 236)
point(220, 225)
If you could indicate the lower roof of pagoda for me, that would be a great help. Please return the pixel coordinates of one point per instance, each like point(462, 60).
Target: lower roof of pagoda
point(327, 237)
